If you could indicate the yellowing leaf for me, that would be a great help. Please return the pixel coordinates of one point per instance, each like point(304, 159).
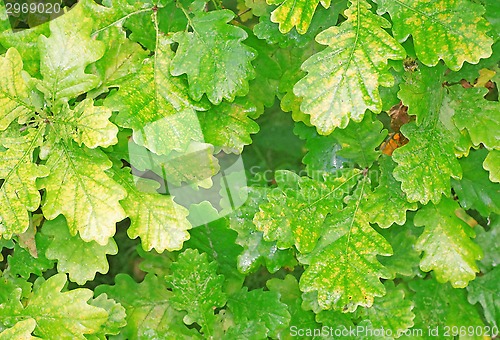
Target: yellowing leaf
point(88, 124)
point(426, 164)
point(294, 215)
point(18, 192)
point(78, 188)
point(343, 79)
point(346, 273)
point(297, 13)
point(14, 90)
point(451, 30)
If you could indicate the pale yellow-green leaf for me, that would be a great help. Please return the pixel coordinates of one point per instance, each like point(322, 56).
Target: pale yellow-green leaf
point(446, 243)
point(346, 273)
point(160, 222)
point(63, 314)
point(64, 55)
point(78, 188)
point(18, 193)
point(4, 19)
point(450, 30)
point(14, 89)
point(88, 124)
point(343, 79)
point(80, 259)
point(20, 331)
point(492, 164)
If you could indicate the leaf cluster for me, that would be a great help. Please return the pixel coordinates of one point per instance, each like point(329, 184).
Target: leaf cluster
point(370, 137)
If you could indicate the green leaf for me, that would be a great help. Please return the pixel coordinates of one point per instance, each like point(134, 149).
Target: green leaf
point(149, 312)
point(155, 263)
point(5, 244)
point(26, 43)
point(64, 56)
point(405, 259)
point(488, 241)
point(359, 141)
point(216, 62)
point(197, 289)
point(22, 263)
point(478, 116)
point(294, 215)
point(338, 321)
point(14, 89)
point(78, 179)
point(80, 259)
point(63, 314)
point(492, 164)
point(441, 306)
point(422, 91)
point(259, 305)
point(256, 250)
point(11, 306)
point(156, 105)
point(291, 60)
point(474, 190)
point(492, 10)
point(19, 193)
point(346, 273)
point(228, 125)
point(264, 87)
point(87, 124)
point(289, 292)
point(322, 150)
point(387, 204)
point(116, 316)
point(216, 239)
point(471, 72)
point(250, 330)
point(143, 28)
point(391, 312)
point(447, 245)
point(20, 331)
point(356, 56)
point(455, 27)
point(484, 290)
point(425, 164)
point(156, 219)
